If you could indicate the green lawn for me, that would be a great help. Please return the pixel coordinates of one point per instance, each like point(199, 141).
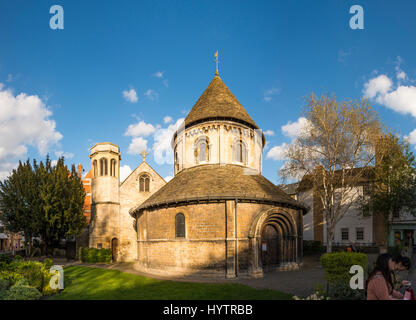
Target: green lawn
point(86, 283)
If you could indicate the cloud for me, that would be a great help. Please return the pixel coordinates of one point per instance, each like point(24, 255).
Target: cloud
point(137, 145)
point(166, 83)
point(124, 172)
point(162, 149)
point(167, 119)
point(268, 133)
point(278, 152)
point(141, 128)
point(158, 74)
point(292, 129)
point(411, 138)
point(130, 95)
point(268, 94)
point(168, 178)
point(151, 95)
point(24, 121)
point(66, 155)
point(343, 54)
point(401, 99)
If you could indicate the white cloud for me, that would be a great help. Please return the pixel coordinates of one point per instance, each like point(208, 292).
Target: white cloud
point(140, 129)
point(24, 121)
point(268, 94)
point(268, 133)
point(158, 74)
point(151, 94)
point(124, 172)
point(66, 155)
point(278, 152)
point(166, 83)
point(402, 99)
point(130, 95)
point(162, 149)
point(411, 138)
point(292, 129)
point(167, 119)
point(137, 145)
point(168, 178)
point(379, 85)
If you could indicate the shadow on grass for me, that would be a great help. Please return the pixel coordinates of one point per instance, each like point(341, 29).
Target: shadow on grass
point(87, 283)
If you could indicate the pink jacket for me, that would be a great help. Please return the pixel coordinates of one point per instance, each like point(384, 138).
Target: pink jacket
point(378, 289)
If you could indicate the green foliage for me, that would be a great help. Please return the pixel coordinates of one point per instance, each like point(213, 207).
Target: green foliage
point(48, 263)
point(93, 255)
point(341, 290)
point(20, 291)
point(4, 284)
point(43, 200)
point(394, 182)
point(311, 247)
point(4, 257)
point(337, 265)
point(18, 258)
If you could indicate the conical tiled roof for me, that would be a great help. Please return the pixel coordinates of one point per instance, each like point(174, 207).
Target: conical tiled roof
point(216, 182)
point(218, 102)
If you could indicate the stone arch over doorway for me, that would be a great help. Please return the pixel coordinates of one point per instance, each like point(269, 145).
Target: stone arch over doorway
point(274, 242)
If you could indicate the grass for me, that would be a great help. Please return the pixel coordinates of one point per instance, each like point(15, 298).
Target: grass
point(87, 283)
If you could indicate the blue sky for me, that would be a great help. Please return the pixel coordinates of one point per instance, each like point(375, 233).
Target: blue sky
point(62, 90)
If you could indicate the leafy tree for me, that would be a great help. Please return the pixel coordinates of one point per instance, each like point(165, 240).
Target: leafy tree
point(333, 152)
point(43, 200)
point(394, 186)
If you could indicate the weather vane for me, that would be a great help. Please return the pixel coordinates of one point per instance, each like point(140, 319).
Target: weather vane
point(216, 60)
point(144, 154)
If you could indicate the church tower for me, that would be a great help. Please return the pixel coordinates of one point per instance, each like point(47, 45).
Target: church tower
point(105, 207)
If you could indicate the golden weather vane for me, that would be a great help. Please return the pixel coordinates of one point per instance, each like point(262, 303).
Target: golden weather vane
point(216, 60)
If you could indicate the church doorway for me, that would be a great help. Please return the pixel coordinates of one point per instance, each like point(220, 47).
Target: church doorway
point(270, 247)
point(114, 249)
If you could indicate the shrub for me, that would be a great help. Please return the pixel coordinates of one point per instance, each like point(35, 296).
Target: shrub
point(342, 291)
point(337, 265)
point(4, 257)
point(311, 247)
point(48, 263)
point(93, 255)
point(18, 258)
point(4, 284)
point(20, 291)
point(10, 276)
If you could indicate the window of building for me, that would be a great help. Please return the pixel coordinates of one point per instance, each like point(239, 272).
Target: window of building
point(180, 226)
point(103, 167)
point(94, 166)
point(239, 152)
point(202, 150)
point(360, 233)
point(144, 183)
point(344, 234)
point(99, 245)
point(113, 167)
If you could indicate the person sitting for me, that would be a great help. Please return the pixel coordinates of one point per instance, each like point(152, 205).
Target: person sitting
point(402, 263)
point(379, 283)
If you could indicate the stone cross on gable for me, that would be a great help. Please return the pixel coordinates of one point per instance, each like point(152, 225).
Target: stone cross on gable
point(144, 154)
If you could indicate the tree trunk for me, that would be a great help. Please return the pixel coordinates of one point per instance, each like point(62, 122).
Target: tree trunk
point(329, 238)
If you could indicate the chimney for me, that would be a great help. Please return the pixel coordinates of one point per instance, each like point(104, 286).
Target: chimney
point(80, 171)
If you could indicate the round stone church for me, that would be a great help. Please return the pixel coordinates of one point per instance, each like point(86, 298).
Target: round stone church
point(218, 216)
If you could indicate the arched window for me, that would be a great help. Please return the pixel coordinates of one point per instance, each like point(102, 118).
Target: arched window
point(176, 161)
point(180, 225)
point(103, 167)
point(94, 167)
point(202, 150)
point(144, 183)
point(113, 167)
point(239, 152)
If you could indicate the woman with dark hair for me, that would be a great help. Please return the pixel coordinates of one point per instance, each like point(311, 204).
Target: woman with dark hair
point(402, 263)
point(380, 284)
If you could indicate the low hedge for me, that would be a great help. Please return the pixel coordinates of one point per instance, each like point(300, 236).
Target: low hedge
point(21, 277)
point(312, 247)
point(337, 265)
point(94, 255)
